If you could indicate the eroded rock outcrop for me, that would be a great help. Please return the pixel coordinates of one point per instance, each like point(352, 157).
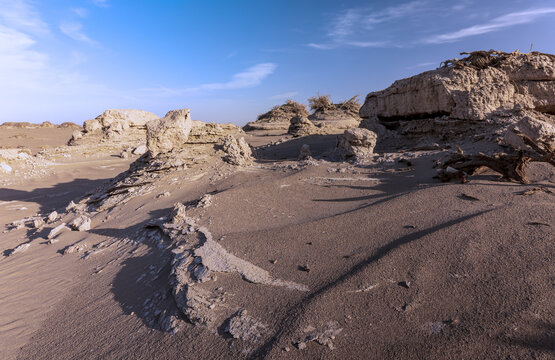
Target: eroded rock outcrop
point(211, 133)
point(278, 118)
point(472, 88)
point(482, 98)
point(357, 143)
point(238, 151)
point(123, 126)
point(342, 115)
point(301, 126)
point(168, 133)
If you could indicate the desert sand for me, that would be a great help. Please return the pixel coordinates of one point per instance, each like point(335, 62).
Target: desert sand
point(179, 239)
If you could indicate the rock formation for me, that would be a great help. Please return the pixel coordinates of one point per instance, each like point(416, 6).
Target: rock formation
point(278, 118)
point(168, 133)
point(301, 126)
point(126, 127)
point(358, 143)
point(343, 115)
point(211, 133)
point(462, 90)
point(478, 97)
point(238, 151)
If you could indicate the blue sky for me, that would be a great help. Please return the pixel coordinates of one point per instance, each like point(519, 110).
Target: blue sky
point(229, 61)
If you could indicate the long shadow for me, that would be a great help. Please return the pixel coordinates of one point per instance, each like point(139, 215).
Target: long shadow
point(542, 340)
point(290, 149)
point(291, 317)
point(54, 197)
point(142, 284)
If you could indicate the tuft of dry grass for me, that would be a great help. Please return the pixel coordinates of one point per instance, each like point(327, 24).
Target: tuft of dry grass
point(285, 111)
point(320, 103)
point(323, 103)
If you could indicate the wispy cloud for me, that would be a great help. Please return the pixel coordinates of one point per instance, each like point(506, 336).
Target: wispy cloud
point(101, 3)
point(74, 30)
point(353, 25)
point(81, 12)
point(421, 65)
point(322, 46)
point(19, 63)
point(392, 13)
point(21, 15)
point(284, 96)
point(251, 77)
point(499, 23)
point(344, 24)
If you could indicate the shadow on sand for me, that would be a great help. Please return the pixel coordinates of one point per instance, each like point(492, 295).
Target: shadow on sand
point(55, 197)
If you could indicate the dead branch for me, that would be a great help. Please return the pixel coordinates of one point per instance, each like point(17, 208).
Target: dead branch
point(510, 166)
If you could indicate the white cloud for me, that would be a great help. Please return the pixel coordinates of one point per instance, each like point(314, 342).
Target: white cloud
point(284, 96)
point(365, 44)
point(322, 46)
point(251, 77)
point(425, 64)
point(343, 25)
point(499, 23)
point(21, 15)
point(19, 63)
point(352, 25)
point(74, 30)
point(392, 13)
point(359, 44)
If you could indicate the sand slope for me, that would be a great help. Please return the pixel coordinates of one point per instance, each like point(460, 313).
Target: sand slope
point(405, 266)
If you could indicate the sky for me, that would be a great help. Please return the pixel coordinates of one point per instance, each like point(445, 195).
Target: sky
point(228, 61)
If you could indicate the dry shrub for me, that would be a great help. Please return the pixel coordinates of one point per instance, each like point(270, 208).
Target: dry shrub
point(483, 59)
point(286, 111)
point(320, 103)
point(323, 103)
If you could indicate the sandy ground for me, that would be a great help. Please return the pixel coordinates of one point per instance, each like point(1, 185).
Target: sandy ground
point(406, 266)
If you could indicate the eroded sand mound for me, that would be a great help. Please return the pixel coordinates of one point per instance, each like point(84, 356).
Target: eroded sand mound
point(278, 118)
point(344, 115)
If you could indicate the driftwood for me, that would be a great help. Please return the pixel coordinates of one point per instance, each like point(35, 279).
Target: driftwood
point(510, 166)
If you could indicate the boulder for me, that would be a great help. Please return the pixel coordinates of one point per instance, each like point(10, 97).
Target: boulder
point(140, 150)
point(238, 151)
point(301, 126)
point(52, 216)
point(357, 142)
point(537, 126)
point(81, 223)
point(168, 133)
point(305, 153)
point(92, 125)
point(58, 229)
